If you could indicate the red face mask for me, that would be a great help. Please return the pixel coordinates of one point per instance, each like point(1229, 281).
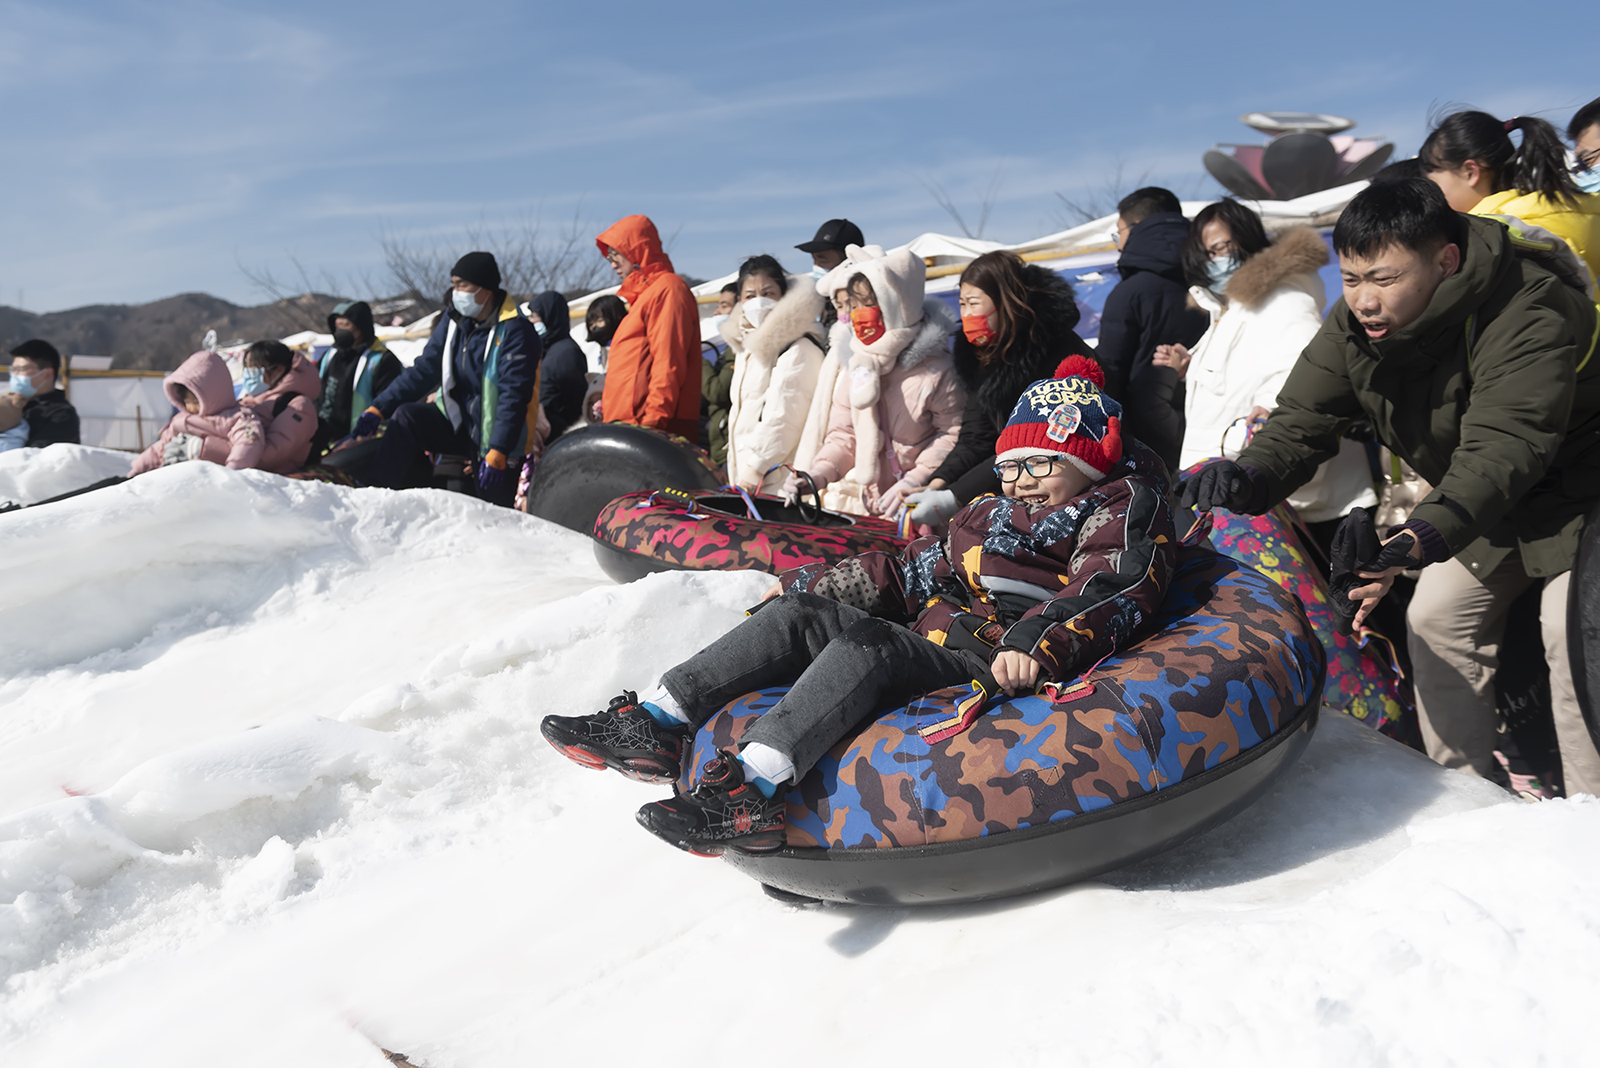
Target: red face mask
point(977, 329)
point(867, 324)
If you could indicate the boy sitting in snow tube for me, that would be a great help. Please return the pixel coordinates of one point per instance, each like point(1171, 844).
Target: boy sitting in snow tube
point(1065, 569)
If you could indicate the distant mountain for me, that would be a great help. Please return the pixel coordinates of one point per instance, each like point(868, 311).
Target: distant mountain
point(160, 335)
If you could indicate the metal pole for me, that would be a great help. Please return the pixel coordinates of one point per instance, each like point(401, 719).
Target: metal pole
point(138, 418)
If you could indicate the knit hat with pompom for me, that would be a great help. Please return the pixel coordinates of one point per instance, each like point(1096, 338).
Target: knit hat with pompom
point(1068, 415)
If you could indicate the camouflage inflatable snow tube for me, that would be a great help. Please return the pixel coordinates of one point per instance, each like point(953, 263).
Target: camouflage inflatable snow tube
point(1172, 737)
point(714, 530)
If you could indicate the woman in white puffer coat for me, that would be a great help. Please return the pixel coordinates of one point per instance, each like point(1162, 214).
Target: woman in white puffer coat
point(897, 404)
point(774, 335)
point(1266, 302)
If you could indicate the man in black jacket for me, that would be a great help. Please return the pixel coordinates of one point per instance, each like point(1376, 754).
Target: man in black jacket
point(1149, 307)
point(35, 369)
point(355, 371)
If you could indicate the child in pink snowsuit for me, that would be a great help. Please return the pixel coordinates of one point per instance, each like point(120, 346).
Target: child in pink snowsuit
point(209, 425)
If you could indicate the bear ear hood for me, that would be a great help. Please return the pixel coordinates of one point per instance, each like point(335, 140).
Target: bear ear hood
point(898, 280)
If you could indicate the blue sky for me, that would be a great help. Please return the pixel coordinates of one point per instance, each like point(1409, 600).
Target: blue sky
point(152, 149)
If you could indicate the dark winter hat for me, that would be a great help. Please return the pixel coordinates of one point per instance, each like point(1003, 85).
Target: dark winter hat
point(478, 268)
point(834, 234)
point(40, 352)
point(1069, 415)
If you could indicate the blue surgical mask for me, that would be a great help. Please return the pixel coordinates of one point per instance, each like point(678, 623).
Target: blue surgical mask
point(719, 318)
point(819, 273)
point(252, 380)
point(22, 385)
point(1219, 270)
point(540, 329)
point(466, 303)
point(1589, 180)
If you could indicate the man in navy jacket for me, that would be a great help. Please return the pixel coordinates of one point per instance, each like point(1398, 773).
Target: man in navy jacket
point(479, 368)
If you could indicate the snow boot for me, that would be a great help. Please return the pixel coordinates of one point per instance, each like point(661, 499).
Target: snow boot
point(723, 812)
point(624, 737)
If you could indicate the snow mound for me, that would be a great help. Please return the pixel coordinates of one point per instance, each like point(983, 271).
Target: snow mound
point(317, 819)
point(29, 475)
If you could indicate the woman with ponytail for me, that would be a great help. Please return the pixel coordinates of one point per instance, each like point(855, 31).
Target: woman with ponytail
point(1017, 323)
point(1471, 158)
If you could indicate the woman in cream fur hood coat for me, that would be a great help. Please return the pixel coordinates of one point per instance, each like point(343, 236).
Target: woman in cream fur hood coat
point(1275, 301)
point(777, 363)
point(897, 403)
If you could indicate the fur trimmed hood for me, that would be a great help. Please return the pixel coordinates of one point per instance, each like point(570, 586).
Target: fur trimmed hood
point(794, 317)
point(1296, 251)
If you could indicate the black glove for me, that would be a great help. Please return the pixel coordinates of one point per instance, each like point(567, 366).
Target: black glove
point(1354, 541)
point(1356, 550)
point(366, 423)
point(1219, 484)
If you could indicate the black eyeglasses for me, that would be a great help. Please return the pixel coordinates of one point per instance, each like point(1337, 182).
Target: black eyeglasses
point(1036, 466)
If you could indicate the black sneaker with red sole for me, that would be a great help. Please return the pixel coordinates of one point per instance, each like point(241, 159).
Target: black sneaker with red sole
point(723, 812)
point(625, 738)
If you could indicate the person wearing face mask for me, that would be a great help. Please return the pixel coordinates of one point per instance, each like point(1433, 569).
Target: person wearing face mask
point(281, 387)
point(1476, 366)
point(773, 336)
point(1017, 324)
point(481, 367)
point(210, 423)
point(1265, 300)
point(33, 395)
point(827, 251)
point(898, 402)
point(600, 322)
point(563, 369)
point(1471, 158)
point(1584, 133)
point(358, 368)
point(653, 369)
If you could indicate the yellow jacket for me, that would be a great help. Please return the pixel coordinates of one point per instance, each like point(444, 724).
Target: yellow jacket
point(1578, 226)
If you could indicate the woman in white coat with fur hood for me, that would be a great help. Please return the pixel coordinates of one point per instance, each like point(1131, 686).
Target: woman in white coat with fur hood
point(1266, 302)
point(774, 335)
point(897, 403)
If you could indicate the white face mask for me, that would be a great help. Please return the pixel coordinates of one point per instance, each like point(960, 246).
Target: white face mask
point(757, 307)
point(466, 303)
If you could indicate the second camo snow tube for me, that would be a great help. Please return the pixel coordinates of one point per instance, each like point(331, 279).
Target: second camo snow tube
point(1174, 734)
point(728, 530)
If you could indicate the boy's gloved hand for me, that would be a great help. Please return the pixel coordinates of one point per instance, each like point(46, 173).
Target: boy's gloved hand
point(366, 423)
point(1219, 484)
point(492, 473)
point(932, 506)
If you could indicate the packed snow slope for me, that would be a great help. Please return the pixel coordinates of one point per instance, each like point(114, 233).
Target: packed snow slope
point(272, 792)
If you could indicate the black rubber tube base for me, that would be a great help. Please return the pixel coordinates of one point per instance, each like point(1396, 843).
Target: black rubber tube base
point(1036, 858)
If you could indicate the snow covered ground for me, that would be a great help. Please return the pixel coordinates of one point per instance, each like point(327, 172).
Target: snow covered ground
point(272, 792)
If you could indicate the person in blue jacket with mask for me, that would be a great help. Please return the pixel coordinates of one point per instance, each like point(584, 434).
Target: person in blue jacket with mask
point(471, 392)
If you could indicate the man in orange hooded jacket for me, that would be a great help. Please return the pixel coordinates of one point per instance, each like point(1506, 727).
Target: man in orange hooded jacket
point(653, 372)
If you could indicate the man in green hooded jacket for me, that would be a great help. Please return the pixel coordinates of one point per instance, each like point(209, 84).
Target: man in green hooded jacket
point(1476, 366)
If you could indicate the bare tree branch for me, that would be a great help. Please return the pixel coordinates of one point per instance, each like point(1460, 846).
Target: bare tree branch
point(985, 206)
point(1097, 201)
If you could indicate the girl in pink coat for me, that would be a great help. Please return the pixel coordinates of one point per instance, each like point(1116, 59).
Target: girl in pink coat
point(210, 424)
point(898, 403)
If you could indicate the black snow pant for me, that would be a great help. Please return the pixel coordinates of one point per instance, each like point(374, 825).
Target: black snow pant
point(846, 666)
point(418, 428)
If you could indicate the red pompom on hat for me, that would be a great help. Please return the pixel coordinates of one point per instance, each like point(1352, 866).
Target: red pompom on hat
point(1068, 415)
